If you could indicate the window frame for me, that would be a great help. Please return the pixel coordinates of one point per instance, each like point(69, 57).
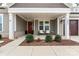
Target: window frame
point(2, 22)
point(43, 25)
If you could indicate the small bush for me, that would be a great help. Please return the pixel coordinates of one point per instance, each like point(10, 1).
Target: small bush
point(29, 38)
point(48, 38)
point(58, 38)
point(0, 37)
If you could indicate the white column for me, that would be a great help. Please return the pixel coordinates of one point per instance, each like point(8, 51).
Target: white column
point(11, 27)
point(34, 27)
point(14, 19)
point(67, 26)
point(57, 25)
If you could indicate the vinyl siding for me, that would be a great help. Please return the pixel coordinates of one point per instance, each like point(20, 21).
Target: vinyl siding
point(5, 32)
point(20, 26)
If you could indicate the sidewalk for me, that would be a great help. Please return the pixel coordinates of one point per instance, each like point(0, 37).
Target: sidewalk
point(45, 51)
point(11, 46)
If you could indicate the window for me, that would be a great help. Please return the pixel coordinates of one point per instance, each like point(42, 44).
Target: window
point(1, 22)
point(41, 25)
point(44, 25)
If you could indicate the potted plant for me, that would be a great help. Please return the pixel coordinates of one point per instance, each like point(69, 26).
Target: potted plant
point(0, 37)
point(1, 41)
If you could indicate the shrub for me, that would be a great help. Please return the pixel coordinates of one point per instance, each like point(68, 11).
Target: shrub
point(48, 38)
point(57, 38)
point(0, 37)
point(29, 38)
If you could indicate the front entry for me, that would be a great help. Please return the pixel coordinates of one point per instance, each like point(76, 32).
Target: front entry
point(74, 27)
point(30, 30)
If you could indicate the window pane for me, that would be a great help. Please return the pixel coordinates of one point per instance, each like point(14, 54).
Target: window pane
point(0, 19)
point(0, 27)
point(41, 23)
point(46, 22)
point(41, 27)
point(0, 23)
point(46, 27)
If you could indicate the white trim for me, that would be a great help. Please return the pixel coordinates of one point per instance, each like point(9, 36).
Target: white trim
point(39, 10)
point(67, 26)
point(27, 25)
point(11, 26)
point(10, 4)
point(68, 5)
point(71, 18)
point(62, 28)
point(34, 26)
point(58, 24)
point(14, 22)
point(2, 22)
point(74, 14)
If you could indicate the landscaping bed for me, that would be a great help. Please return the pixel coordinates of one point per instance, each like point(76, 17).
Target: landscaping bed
point(53, 43)
point(5, 41)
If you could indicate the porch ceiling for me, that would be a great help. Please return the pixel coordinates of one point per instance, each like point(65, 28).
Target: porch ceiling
point(40, 15)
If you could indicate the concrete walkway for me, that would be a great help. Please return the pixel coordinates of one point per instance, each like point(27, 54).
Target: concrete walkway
point(11, 46)
point(12, 49)
point(45, 51)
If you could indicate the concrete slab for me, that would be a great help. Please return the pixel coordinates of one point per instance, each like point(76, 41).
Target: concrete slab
point(11, 46)
point(65, 51)
point(21, 51)
point(42, 51)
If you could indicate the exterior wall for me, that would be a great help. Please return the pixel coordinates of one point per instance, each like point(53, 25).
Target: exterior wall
point(20, 27)
point(39, 5)
point(3, 11)
point(53, 26)
point(5, 32)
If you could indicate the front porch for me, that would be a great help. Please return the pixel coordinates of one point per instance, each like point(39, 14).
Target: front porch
point(40, 22)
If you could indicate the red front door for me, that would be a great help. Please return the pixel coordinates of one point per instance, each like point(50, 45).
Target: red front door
point(30, 28)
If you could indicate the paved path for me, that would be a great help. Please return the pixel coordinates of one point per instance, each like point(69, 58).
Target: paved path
point(12, 49)
point(11, 46)
point(45, 51)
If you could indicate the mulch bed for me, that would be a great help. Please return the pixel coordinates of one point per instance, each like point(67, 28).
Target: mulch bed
point(53, 43)
point(6, 41)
